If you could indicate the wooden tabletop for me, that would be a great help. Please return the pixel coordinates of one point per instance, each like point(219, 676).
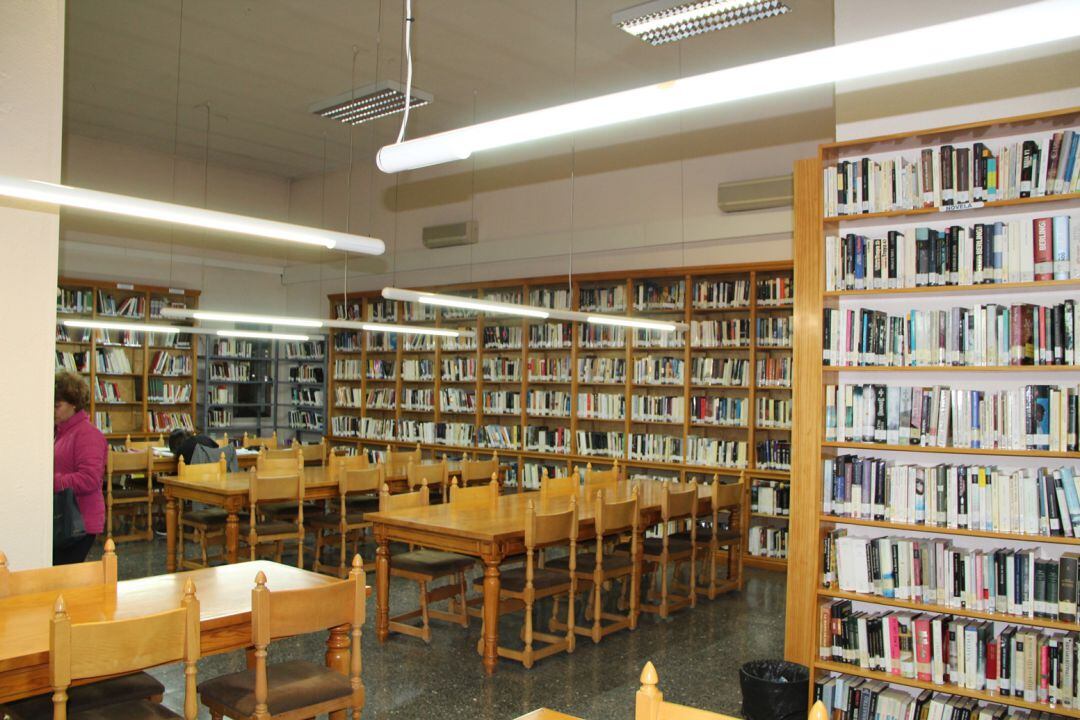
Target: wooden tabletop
point(236, 483)
point(546, 714)
point(507, 518)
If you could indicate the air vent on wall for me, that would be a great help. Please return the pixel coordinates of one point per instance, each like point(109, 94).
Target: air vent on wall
point(369, 103)
point(761, 194)
point(452, 235)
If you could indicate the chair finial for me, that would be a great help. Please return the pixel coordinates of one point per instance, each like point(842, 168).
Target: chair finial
point(649, 680)
point(818, 712)
point(189, 589)
point(3, 560)
point(59, 607)
point(260, 580)
point(110, 547)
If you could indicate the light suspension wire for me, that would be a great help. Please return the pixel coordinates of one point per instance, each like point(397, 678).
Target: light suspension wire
point(408, 69)
point(1017, 27)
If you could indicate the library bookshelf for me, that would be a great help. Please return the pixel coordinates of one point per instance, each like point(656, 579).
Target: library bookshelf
point(812, 523)
point(140, 384)
point(556, 395)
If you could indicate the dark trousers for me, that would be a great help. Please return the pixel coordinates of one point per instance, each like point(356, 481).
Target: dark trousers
point(74, 552)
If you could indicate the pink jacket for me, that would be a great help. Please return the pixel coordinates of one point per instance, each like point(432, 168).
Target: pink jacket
point(79, 456)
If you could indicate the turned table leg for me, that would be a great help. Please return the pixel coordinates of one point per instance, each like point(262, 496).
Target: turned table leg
point(491, 614)
point(382, 587)
point(232, 537)
point(338, 656)
point(171, 507)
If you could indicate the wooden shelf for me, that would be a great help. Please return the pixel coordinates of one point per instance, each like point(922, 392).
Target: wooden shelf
point(1000, 452)
point(922, 212)
point(951, 368)
point(1047, 623)
point(987, 288)
point(944, 688)
point(770, 516)
point(765, 563)
point(935, 530)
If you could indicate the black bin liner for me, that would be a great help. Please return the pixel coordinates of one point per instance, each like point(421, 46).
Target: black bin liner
point(774, 690)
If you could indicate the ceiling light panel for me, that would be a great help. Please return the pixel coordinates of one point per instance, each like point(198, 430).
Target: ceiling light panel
point(369, 103)
point(663, 21)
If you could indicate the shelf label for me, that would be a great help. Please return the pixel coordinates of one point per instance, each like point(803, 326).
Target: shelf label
point(124, 286)
point(956, 207)
point(176, 291)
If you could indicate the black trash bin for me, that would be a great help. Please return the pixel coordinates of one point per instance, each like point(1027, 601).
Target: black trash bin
point(774, 690)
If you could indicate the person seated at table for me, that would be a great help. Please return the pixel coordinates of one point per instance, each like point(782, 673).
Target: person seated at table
point(79, 458)
point(183, 443)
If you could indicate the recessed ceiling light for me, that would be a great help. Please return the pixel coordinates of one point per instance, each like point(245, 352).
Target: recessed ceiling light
point(663, 21)
point(369, 102)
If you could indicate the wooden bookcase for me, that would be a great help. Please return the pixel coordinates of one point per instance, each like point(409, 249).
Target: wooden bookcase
point(520, 390)
point(134, 378)
point(809, 525)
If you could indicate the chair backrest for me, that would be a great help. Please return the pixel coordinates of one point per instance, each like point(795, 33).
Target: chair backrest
point(726, 495)
point(251, 441)
point(613, 518)
point(60, 577)
point(607, 478)
point(221, 441)
point(130, 461)
point(276, 484)
point(435, 474)
point(203, 454)
point(339, 464)
point(86, 650)
point(556, 528)
point(476, 496)
point(288, 453)
point(397, 461)
point(650, 703)
point(313, 454)
point(279, 465)
point(362, 480)
point(204, 471)
point(677, 504)
point(472, 470)
point(559, 485)
point(130, 444)
point(286, 613)
point(403, 501)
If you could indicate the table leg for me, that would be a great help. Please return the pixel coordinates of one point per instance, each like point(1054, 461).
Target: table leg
point(170, 533)
point(338, 656)
point(491, 614)
point(636, 579)
point(232, 537)
point(382, 587)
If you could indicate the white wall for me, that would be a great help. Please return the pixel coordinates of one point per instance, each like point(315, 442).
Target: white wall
point(31, 86)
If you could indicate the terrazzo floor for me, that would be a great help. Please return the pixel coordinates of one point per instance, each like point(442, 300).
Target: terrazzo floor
point(697, 654)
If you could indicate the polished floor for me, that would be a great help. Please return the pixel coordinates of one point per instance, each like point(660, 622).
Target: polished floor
point(697, 654)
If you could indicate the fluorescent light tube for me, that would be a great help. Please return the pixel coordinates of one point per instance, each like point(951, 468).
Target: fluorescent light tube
point(112, 203)
point(941, 44)
point(255, 334)
point(214, 316)
point(454, 301)
point(409, 329)
point(630, 322)
point(126, 326)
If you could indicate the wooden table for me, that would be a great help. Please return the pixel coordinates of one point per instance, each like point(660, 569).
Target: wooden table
point(491, 536)
point(224, 616)
point(167, 463)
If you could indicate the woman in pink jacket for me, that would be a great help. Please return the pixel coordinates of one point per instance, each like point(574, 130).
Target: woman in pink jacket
point(79, 456)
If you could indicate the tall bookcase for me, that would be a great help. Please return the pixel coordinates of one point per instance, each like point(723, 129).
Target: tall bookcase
point(555, 394)
point(140, 384)
point(812, 527)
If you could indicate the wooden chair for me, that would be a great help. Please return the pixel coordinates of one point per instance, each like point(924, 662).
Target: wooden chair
point(222, 441)
point(60, 577)
point(288, 453)
point(521, 587)
point(276, 484)
point(314, 454)
point(397, 462)
point(425, 567)
point(297, 688)
point(672, 547)
point(206, 526)
point(715, 540)
point(559, 485)
point(597, 569)
point(602, 478)
point(477, 495)
point(254, 441)
point(434, 474)
point(478, 471)
point(147, 444)
point(113, 647)
point(130, 501)
point(349, 520)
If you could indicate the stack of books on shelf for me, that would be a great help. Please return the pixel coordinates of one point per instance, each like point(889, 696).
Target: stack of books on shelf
point(721, 294)
point(720, 371)
point(502, 402)
point(458, 370)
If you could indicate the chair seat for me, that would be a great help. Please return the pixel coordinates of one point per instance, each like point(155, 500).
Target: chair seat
point(139, 686)
point(586, 562)
point(333, 520)
point(362, 504)
point(131, 710)
point(288, 509)
point(431, 562)
point(705, 535)
point(513, 580)
point(272, 527)
point(208, 517)
point(290, 686)
point(119, 493)
point(655, 546)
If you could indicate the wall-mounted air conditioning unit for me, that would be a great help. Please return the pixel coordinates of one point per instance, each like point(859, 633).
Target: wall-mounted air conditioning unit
point(762, 194)
point(452, 235)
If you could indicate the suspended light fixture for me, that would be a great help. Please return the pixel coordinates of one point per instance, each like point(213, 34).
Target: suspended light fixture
point(1018, 27)
point(65, 195)
point(213, 316)
point(530, 311)
point(662, 21)
point(236, 317)
point(177, 329)
point(260, 335)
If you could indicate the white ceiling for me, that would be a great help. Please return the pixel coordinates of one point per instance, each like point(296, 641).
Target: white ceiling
point(260, 64)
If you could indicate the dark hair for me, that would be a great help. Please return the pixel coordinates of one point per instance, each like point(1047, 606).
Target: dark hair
point(72, 389)
point(176, 439)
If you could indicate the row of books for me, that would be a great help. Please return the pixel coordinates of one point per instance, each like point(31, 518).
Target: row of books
point(659, 370)
point(773, 371)
point(159, 391)
point(601, 406)
point(166, 422)
point(776, 291)
point(550, 369)
point(601, 444)
point(715, 452)
point(170, 364)
point(655, 448)
point(112, 361)
point(952, 175)
point(418, 312)
point(108, 392)
point(502, 437)
point(502, 402)
point(235, 347)
point(1002, 581)
point(1043, 501)
point(309, 350)
point(1046, 248)
point(851, 698)
point(512, 297)
point(548, 403)
point(221, 394)
point(657, 408)
point(346, 396)
point(774, 331)
point(419, 343)
point(418, 399)
point(130, 307)
point(305, 420)
point(74, 301)
point(460, 343)
point(721, 294)
point(502, 337)
point(602, 370)
point(719, 371)
point(774, 412)
point(602, 299)
point(727, 333)
point(550, 298)
point(378, 369)
point(76, 362)
point(724, 410)
point(103, 421)
point(431, 433)
point(306, 373)
point(382, 310)
point(594, 337)
point(457, 369)
point(770, 497)
point(1031, 417)
point(1033, 665)
point(347, 341)
point(547, 439)
point(767, 541)
point(232, 371)
point(659, 339)
point(380, 399)
point(381, 342)
point(774, 454)
point(657, 295)
point(551, 335)
point(457, 400)
point(983, 335)
point(119, 338)
point(502, 369)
